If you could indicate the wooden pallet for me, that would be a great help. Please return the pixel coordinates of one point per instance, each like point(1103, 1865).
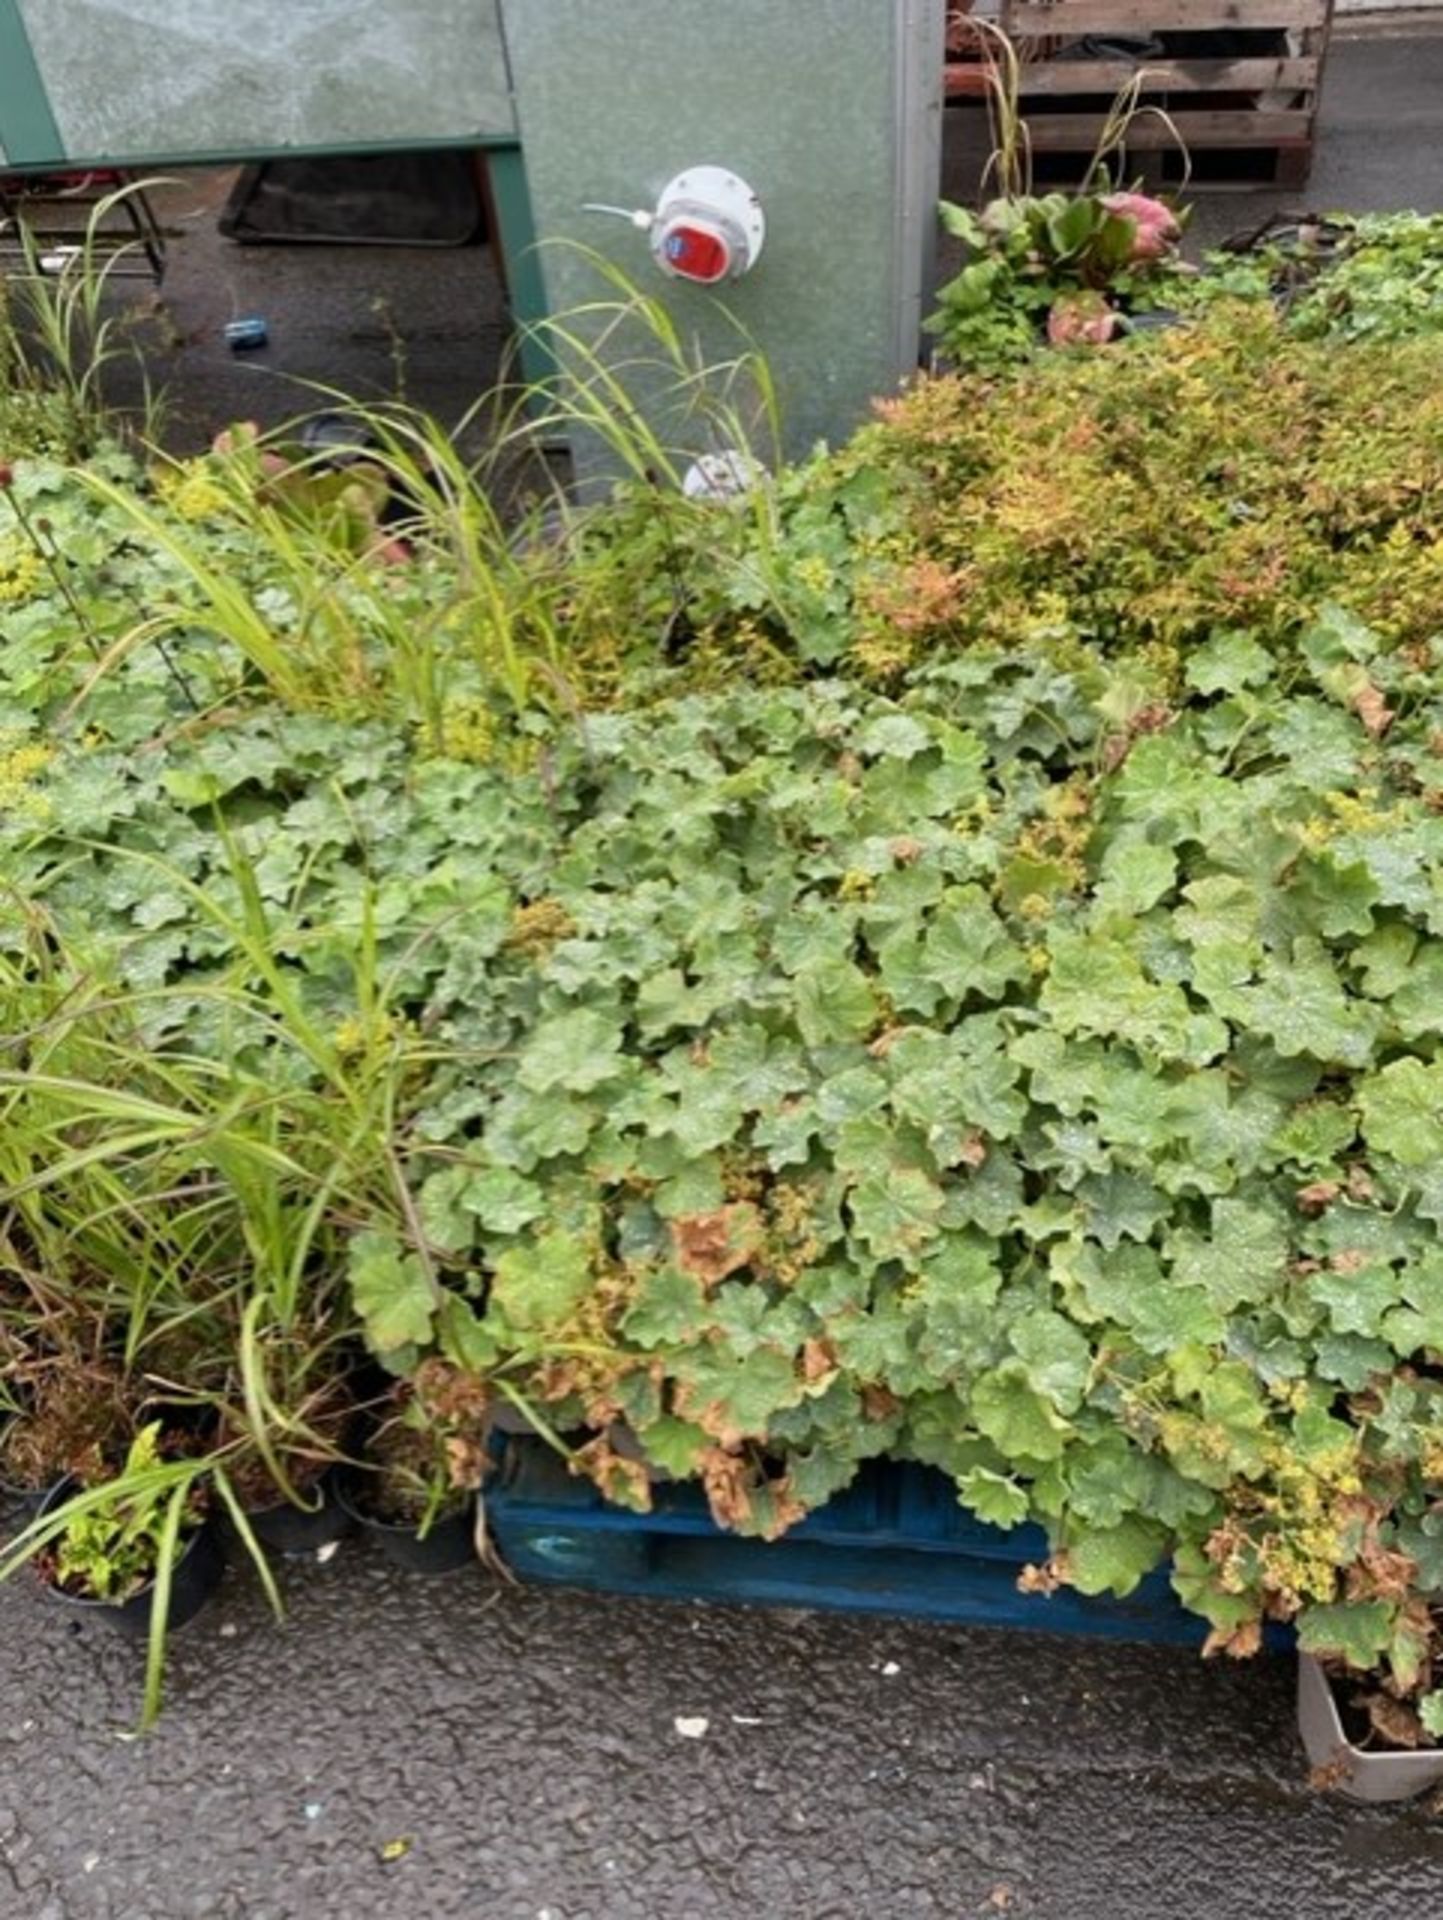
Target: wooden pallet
point(1261, 109)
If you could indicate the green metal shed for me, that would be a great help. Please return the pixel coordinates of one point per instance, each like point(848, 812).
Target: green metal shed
point(828, 110)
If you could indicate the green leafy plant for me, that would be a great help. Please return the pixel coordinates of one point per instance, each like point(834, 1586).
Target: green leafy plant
point(61, 332)
point(113, 1550)
point(1057, 268)
point(948, 970)
point(1216, 478)
point(426, 1457)
point(1054, 268)
point(1369, 278)
point(109, 1541)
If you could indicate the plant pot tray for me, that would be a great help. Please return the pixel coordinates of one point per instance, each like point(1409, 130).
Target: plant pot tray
point(1356, 1774)
point(895, 1542)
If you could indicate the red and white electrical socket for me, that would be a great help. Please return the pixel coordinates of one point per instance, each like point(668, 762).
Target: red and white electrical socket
point(708, 226)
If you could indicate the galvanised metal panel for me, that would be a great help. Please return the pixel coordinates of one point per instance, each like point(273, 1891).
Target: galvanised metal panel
point(830, 109)
point(145, 82)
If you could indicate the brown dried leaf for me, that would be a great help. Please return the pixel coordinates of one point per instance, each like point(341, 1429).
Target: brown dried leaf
point(1115, 750)
point(449, 1393)
point(1044, 1579)
point(710, 1415)
point(743, 1499)
point(1332, 1773)
point(1381, 1573)
point(1373, 710)
point(558, 1379)
point(1360, 1187)
point(727, 1480)
point(879, 1403)
point(1393, 1720)
point(1318, 1197)
point(1224, 1542)
point(1239, 1643)
point(972, 1152)
point(623, 1480)
point(712, 1245)
point(466, 1462)
point(819, 1361)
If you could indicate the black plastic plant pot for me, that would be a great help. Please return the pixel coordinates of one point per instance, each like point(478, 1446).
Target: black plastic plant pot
point(447, 1547)
point(1348, 1769)
point(299, 1532)
point(13, 1497)
point(22, 1500)
point(1152, 320)
point(196, 1575)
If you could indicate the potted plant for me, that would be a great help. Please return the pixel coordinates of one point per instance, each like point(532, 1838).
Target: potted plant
point(283, 1425)
point(415, 1490)
point(138, 1550)
point(131, 1548)
point(1337, 1530)
point(68, 1417)
point(1059, 269)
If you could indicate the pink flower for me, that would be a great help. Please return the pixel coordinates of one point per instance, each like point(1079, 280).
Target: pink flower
point(244, 438)
point(1156, 223)
point(231, 439)
point(1081, 319)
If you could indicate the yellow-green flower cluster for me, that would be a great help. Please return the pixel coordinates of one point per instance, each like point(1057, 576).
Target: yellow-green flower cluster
point(192, 491)
point(21, 570)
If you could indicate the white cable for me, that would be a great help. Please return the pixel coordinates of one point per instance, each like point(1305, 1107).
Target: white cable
point(638, 216)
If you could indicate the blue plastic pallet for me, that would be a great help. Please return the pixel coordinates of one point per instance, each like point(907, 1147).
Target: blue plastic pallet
point(895, 1542)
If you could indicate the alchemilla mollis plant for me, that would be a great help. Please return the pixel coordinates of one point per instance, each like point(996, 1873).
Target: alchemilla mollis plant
point(947, 980)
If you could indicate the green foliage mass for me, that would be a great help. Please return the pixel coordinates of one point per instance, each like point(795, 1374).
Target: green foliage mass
point(1227, 476)
point(1370, 278)
point(1001, 1028)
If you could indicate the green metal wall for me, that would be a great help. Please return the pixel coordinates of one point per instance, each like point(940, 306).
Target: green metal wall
point(830, 109)
point(146, 82)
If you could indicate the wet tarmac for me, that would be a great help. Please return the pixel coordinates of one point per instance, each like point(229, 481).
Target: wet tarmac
point(454, 1750)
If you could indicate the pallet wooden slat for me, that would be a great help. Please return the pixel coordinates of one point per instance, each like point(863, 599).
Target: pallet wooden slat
point(1215, 127)
point(1065, 18)
point(1171, 76)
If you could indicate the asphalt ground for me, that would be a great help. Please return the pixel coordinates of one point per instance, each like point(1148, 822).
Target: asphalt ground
point(402, 1749)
